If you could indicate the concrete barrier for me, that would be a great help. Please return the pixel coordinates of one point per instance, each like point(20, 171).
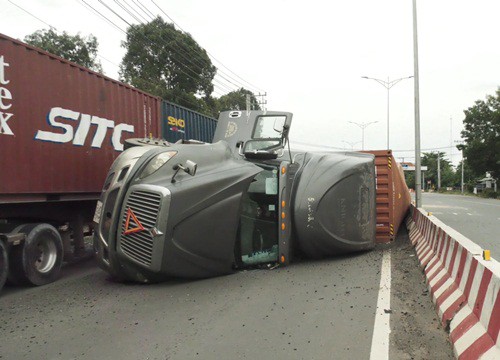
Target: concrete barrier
point(464, 287)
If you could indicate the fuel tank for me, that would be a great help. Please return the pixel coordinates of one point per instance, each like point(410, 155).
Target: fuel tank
point(334, 203)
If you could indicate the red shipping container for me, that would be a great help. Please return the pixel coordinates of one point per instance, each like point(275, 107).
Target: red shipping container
point(393, 196)
point(62, 125)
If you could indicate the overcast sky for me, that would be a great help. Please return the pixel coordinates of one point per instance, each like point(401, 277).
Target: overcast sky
point(309, 57)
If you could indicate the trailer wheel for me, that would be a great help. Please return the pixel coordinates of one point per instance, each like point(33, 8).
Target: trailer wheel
point(4, 264)
point(39, 261)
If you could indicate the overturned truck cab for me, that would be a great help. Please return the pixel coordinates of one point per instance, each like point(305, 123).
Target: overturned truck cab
point(197, 210)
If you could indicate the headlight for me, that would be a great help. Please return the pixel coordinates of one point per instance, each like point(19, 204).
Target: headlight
point(157, 162)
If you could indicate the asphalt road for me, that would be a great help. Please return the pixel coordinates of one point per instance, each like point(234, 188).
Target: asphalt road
point(310, 310)
point(475, 217)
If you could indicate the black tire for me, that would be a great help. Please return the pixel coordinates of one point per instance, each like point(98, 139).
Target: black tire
point(4, 264)
point(16, 273)
point(38, 261)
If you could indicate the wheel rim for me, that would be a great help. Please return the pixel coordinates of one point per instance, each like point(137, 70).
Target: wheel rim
point(46, 256)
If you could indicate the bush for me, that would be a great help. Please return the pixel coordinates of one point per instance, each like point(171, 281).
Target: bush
point(489, 193)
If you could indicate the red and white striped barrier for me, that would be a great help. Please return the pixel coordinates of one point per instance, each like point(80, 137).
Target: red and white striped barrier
point(464, 287)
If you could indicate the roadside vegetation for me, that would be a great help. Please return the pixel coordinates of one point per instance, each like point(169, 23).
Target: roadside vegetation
point(159, 59)
point(481, 149)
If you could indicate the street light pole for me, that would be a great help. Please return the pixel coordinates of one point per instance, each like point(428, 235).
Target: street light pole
point(439, 170)
point(351, 144)
point(388, 85)
point(363, 126)
point(418, 178)
point(461, 146)
point(463, 166)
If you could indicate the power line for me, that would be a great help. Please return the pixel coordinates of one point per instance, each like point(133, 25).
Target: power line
point(186, 57)
point(179, 49)
point(219, 73)
point(143, 8)
point(127, 11)
point(133, 9)
point(428, 149)
point(138, 17)
point(36, 17)
point(213, 57)
point(102, 16)
point(56, 30)
point(180, 63)
point(315, 145)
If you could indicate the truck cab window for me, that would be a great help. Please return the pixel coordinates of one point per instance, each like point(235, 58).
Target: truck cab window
point(259, 219)
point(268, 127)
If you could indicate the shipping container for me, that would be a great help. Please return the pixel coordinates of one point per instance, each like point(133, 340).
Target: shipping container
point(393, 196)
point(180, 123)
point(61, 127)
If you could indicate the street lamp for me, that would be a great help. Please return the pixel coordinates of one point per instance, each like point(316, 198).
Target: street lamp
point(388, 85)
point(416, 91)
point(351, 143)
point(461, 147)
point(363, 127)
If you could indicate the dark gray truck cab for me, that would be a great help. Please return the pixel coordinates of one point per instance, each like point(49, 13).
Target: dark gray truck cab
point(198, 210)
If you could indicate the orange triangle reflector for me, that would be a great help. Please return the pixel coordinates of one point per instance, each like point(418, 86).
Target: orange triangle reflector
point(129, 229)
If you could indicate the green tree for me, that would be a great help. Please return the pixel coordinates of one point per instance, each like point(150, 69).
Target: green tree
point(410, 179)
point(168, 63)
point(482, 136)
point(447, 172)
point(76, 48)
point(237, 100)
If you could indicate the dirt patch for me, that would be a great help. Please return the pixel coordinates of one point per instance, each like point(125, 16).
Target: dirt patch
point(416, 331)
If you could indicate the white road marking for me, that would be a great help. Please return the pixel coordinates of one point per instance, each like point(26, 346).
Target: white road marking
point(469, 214)
point(444, 207)
point(481, 203)
point(382, 326)
point(454, 213)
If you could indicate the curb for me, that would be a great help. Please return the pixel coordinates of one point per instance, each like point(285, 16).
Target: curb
point(464, 287)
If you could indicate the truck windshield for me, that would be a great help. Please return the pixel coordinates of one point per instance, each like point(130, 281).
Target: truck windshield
point(259, 219)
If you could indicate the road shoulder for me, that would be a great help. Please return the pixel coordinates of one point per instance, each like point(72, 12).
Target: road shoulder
point(416, 332)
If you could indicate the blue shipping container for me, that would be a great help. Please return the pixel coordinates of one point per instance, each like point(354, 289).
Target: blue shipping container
point(179, 122)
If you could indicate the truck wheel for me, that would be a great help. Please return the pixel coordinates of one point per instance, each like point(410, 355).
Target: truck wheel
point(38, 261)
point(4, 264)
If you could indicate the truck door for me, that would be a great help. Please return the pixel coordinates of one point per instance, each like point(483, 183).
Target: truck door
point(258, 235)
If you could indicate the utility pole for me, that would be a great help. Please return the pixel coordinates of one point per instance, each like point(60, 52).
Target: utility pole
point(249, 103)
point(463, 166)
point(461, 147)
point(439, 171)
point(262, 102)
point(418, 181)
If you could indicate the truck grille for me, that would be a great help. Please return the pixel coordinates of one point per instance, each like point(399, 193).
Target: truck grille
point(139, 245)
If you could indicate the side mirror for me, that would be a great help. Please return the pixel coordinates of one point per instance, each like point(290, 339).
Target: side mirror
point(189, 168)
point(261, 149)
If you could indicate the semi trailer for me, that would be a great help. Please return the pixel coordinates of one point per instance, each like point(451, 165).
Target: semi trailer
point(61, 127)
